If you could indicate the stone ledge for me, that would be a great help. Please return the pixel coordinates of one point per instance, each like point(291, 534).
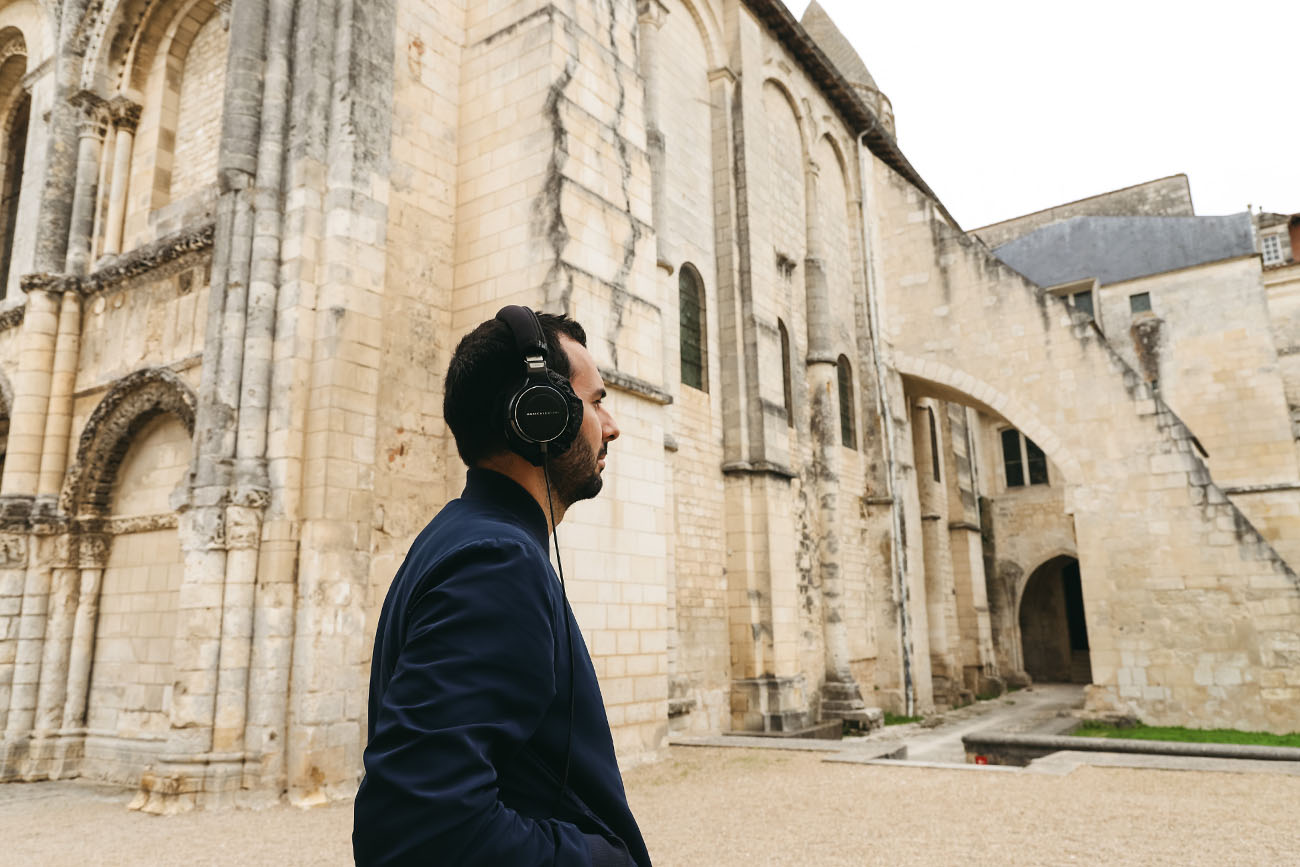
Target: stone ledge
point(1013, 749)
point(634, 385)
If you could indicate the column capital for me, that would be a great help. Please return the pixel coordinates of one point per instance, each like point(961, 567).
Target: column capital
point(723, 74)
point(124, 113)
point(652, 12)
point(92, 113)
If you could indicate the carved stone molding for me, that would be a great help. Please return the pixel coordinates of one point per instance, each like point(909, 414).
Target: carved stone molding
point(93, 113)
point(12, 317)
point(131, 403)
point(149, 258)
point(91, 550)
point(13, 550)
point(124, 113)
point(141, 523)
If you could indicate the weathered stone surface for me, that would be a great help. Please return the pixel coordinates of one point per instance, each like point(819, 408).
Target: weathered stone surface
point(221, 383)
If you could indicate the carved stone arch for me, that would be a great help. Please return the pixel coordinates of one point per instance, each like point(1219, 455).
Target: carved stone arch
point(130, 404)
point(707, 25)
point(1039, 560)
point(160, 35)
point(847, 169)
point(800, 118)
point(35, 23)
point(14, 65)
point(930, 378)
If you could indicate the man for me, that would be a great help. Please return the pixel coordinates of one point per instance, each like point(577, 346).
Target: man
point(488, 740)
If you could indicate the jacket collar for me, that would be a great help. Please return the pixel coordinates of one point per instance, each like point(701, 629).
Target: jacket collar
point(503, 492)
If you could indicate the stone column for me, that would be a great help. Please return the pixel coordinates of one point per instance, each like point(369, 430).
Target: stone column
point(22, 465)
point(24, 658)
point(64, 592)
point(941, 605)
point(58, 420)
point(243, 531)
point(92, 554)
point(650, 17)
point(841, 696)
point(91, 127)
point(126, 117)
point(979, 664)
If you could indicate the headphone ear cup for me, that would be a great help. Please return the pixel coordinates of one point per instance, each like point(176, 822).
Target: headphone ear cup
point(561, 443)
point(530, 412)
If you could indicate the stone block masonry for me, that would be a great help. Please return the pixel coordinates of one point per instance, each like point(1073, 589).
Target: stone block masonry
point(221, 381)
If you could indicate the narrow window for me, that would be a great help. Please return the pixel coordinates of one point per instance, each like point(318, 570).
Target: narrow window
point(1037, 462)
point(1083, 302)
point(15, 149)
point(934, 444)
point(691, 316)
point(1272, 249)
point(1140, 303)
point(848, 432)
point(785, 373)
point(1011, 458)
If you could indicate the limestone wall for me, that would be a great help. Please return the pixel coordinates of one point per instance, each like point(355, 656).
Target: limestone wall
point(1208, 343)
point(1163, 553)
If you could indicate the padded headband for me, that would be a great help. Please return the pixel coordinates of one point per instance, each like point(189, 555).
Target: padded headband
point(526, 328)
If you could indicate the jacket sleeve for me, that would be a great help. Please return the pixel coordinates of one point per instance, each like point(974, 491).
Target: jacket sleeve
point(471, 685)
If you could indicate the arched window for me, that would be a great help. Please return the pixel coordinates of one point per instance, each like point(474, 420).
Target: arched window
point(198, 119)
point(691, 315)
point(848, 430)
point(15, 146)
point(785, 373)
point(15, 114)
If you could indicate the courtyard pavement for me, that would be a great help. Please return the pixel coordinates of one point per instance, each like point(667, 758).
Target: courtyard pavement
point(762, 806)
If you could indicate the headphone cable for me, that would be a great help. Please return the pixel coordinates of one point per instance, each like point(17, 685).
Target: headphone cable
point(568, 629)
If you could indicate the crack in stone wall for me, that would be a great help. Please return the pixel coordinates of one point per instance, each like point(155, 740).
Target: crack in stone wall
point(618, 286)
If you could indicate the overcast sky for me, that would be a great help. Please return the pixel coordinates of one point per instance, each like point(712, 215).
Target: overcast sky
point(1009, 106)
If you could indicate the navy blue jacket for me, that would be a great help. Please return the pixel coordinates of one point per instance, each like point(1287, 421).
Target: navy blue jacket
point(469, 704)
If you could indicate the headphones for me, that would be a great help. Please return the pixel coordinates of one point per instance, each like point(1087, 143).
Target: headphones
point(542, 415)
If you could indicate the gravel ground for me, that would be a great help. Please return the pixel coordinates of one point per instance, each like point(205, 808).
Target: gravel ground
point(725, 807)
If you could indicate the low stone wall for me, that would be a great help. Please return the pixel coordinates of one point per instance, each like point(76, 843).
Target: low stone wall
point(1020, 750)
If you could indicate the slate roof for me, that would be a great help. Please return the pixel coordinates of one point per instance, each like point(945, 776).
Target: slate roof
point(1114, 249)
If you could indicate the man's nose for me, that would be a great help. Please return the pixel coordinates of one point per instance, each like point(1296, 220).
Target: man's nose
point(610, 428)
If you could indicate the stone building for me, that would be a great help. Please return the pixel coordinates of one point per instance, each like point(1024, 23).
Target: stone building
point(234, 271)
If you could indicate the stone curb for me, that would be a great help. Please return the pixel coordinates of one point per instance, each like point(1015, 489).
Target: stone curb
point(864, 748)
point(1033, 746)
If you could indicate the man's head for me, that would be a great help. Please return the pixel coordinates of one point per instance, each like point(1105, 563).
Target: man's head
point(486, 368)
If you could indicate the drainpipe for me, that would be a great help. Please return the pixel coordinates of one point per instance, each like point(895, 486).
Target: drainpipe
point(882, 405)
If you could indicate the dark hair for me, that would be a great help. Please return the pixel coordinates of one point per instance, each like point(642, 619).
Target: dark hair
point(485, 367)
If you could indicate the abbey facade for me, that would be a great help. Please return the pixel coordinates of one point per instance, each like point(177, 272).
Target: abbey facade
point(864, 463)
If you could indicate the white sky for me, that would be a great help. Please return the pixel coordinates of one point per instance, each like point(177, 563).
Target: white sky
point(1009, 106)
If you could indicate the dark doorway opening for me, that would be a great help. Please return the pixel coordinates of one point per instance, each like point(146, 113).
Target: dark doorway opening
point(1053, 630)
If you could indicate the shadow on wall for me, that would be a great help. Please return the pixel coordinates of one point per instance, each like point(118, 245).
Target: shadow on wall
point(1053, 633)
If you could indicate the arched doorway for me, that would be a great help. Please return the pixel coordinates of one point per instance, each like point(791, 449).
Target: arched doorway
point(1053, 632)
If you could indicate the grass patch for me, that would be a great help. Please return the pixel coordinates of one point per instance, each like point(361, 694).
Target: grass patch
point(893, 719)
point(1138, 731)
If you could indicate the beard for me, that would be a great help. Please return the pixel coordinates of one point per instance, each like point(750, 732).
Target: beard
point(575, 473)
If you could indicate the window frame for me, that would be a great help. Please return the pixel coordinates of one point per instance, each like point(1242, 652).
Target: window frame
point(1030, 462)
point(688, 272)
point(848, 406)
point(787, 373)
